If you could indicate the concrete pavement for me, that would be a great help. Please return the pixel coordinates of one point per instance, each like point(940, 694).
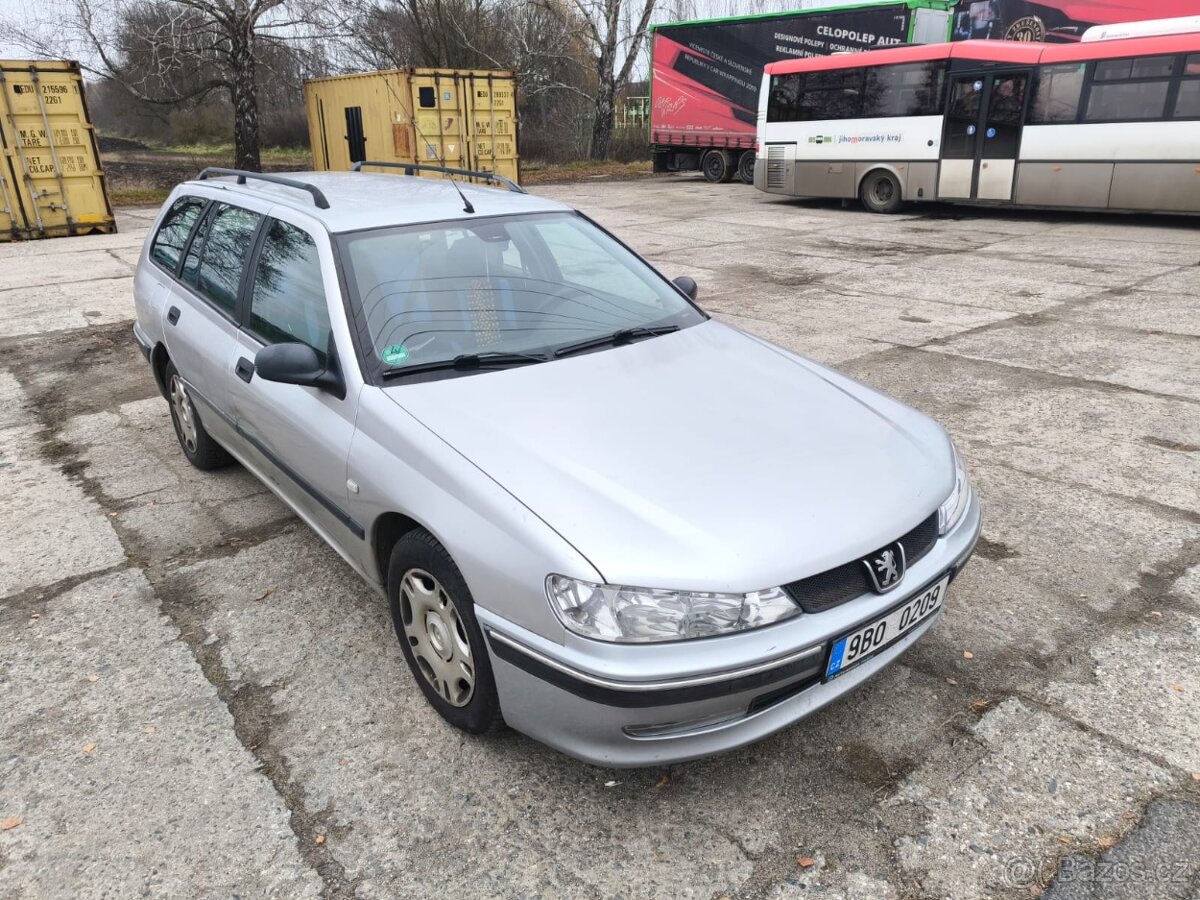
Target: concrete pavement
point(198, 698)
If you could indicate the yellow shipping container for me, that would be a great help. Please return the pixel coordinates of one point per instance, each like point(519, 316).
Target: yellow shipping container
point(464, 119)
point(51, 182)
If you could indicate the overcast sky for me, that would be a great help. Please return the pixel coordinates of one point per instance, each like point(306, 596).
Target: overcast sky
point(47, 11)
point(16, 10)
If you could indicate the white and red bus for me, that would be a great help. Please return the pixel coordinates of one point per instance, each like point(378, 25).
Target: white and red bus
point(1095, 125)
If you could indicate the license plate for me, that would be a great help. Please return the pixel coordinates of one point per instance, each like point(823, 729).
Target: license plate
point(858, 645)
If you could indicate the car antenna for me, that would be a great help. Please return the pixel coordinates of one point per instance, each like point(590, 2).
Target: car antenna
point(467, 207)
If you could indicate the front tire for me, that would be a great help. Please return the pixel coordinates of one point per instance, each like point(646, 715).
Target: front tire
point(880, 192)
point(434, 617)
point(746, 167)
point(197, 444)
point(717, 166)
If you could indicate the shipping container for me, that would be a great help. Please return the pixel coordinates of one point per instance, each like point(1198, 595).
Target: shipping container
point(51, 180)
point(705, 74)
point(450, 117)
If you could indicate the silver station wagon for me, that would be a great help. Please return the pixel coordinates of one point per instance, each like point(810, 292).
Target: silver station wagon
point(624, 528)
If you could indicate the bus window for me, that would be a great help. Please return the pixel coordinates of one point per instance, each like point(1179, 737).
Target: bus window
point(1139, 67)
point(1127, 100)
point(914, 90)
point(835, 94)
point(1056, 97)
point(1130, 89)
point(1187, 104)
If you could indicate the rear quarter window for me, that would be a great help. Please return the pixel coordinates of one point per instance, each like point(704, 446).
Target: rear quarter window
point(173, 234)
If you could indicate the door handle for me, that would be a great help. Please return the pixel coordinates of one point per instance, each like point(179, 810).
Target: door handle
point(173, 315)
point(244, 369)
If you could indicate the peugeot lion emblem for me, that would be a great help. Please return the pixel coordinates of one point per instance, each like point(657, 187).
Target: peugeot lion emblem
point(886, 567)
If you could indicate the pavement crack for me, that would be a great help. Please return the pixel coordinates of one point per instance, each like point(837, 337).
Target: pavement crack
point(255, 723)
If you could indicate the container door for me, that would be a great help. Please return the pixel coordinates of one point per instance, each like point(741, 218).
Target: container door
point(356, 141)
point(51, 182)
point(437, 116)
point(982, 136)
point(493, 132)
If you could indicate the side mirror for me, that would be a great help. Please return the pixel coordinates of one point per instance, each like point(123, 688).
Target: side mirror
point(687, 285)
point(295, 363)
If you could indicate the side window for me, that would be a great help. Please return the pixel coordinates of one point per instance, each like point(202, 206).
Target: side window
point(1056, 97)
point(223, 258)
point(1127, 100)
point(1130, 89)
point(287, 301)
point(172, 236)
point(288, 297)
point(912, 90)
point(831, 94)
point(781, 102)
point(1187, 104)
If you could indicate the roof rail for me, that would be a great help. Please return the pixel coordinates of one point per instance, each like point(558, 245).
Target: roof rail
point(409, 168)
point(242, 175)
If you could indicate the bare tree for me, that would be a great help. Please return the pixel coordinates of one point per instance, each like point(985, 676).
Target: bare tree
point(175, 51)
point(616, 38)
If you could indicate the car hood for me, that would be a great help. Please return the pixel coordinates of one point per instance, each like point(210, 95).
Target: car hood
point(706, 459)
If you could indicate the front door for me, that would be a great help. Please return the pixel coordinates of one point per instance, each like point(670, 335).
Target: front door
point(984, 113)
point(298, 437)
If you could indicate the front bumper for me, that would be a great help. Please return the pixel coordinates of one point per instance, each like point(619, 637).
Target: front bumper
point(596, 702)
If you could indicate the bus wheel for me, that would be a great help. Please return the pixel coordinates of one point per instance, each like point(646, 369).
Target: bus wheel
point(746, 167)
point(716, 166)
point(880, 192)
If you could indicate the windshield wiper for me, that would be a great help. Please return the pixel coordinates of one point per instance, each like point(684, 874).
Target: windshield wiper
point(616, 339)
point(467, 362)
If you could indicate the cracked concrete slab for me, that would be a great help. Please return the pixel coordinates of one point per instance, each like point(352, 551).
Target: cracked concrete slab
point(1149, 675)
point(53, 530)
point(127, 777)
point(1156, 363)
point(1036, 786)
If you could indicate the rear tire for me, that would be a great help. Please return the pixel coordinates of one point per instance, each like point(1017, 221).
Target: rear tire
point(434, 617)
point(746, 167)
point(197, 444)
point(880, 192)
point(717, 166)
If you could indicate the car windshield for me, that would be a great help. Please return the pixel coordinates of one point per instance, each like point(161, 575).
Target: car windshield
point(500, 287)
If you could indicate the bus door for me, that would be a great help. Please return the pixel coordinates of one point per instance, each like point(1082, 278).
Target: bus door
point(984, 113)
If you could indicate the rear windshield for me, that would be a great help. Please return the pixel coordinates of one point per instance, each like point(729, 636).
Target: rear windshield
point(525, 284)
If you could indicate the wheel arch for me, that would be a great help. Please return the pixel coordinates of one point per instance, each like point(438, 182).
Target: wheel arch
point(898, 171)
point(386, 532)
point(158, 365)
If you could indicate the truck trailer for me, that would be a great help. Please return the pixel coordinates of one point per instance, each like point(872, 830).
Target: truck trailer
point(706, 73)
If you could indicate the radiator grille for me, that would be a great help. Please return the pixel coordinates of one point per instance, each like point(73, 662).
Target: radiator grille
point(776, 166)
point(834, 587)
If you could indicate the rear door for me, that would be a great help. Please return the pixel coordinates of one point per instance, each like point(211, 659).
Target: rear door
point(984, 115)
point(299, 436)
point(201, 310)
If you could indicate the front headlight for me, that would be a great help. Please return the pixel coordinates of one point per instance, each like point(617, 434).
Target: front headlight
point(956, 504)
point(642, 615)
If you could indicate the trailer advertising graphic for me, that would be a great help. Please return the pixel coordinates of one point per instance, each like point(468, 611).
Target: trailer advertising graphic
point(1055, 21)
point(707, 74)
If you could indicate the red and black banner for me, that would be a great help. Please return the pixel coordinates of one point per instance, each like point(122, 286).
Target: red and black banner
point(707, 75)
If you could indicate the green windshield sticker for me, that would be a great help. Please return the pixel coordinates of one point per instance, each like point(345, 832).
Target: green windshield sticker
point(394, 354)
